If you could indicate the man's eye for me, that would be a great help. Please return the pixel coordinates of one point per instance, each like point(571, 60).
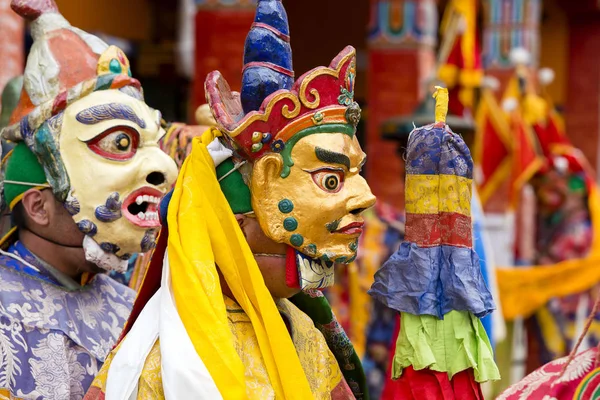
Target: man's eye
point(329, 180)
point(119, 143)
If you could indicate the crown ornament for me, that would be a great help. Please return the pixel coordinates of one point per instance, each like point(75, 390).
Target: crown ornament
point(272, 112)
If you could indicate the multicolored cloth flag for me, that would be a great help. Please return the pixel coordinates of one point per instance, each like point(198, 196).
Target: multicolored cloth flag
point(434, 280)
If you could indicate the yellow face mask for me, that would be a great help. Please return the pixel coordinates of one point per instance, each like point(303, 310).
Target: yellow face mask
point(317, 207)
point(109, 145)
point(306, 188)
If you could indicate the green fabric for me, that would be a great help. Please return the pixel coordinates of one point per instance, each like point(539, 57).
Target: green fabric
point(577, 184)
point(315, 305)
point(10, 99)
point(235, 189)
point(504, 359)
point(454, 344)
point(23, 166)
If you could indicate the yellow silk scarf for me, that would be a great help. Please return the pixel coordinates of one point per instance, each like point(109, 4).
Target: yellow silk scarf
point(204, 233)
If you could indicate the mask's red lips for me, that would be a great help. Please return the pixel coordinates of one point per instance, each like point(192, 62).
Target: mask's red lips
point(354, 228)
point(141, 207)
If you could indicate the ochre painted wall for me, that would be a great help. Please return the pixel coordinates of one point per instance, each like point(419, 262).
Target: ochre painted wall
point(128, 19)
point(554, 34)
point(583, 90)
point(320, 29)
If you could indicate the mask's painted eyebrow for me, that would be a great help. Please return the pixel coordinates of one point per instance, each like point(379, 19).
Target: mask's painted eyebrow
point(104, 112)
point(331, 157)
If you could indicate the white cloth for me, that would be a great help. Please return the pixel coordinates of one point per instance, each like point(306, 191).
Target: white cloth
point(127, 365)
point(218, 152)
point(102, 259)
point(184, 375)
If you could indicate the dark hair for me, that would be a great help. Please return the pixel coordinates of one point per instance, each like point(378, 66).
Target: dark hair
point(19, 216)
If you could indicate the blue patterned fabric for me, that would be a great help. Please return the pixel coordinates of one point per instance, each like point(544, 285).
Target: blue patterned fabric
point(437, 150)
point(54, 341)
point(163, 208)
point(37, 272)
point(451, 281)
point(125, 277)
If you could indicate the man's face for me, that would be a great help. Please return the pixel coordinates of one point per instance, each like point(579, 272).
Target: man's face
point(316, 208)
point(109, 145)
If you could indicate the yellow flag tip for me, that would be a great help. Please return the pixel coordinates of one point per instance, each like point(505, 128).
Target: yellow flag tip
point(441, 103)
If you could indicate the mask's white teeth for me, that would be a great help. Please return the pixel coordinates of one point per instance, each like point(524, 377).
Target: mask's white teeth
point(156, 200)
point(141, 215)
point(139, 200)
point(146, 198)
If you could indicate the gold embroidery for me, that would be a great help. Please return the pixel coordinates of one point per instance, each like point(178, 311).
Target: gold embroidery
point(5, 394)
point(317, 361)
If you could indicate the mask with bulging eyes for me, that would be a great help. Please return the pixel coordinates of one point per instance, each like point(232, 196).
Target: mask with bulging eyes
point(110, 148)
point(83, 116)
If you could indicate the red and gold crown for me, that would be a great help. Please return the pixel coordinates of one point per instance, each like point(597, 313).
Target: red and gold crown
point(322, 101)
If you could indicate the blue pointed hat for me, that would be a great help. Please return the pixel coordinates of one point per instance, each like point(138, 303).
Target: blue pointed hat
point(267, 56)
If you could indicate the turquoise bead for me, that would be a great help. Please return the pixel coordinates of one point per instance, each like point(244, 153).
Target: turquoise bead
point(286, 206)
point(296, 240)
point(290, 224)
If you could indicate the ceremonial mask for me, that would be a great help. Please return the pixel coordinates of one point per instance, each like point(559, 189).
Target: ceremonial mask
point(83, 116)
point(300, 138)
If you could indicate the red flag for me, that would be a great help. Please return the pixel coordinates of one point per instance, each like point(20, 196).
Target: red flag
point(528, 110)
point(551, 134)
point(527, 160)
point(493, 146)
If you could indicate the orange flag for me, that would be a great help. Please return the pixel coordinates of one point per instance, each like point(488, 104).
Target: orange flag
point(527, 160)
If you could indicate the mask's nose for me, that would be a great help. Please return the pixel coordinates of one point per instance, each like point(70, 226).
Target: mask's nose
point(363, 199)
point(156, 178)
point(158, 169)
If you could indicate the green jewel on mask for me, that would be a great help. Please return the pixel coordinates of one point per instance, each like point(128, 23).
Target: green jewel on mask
point(296, 240)
point(290, 224)
point(286, 206)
